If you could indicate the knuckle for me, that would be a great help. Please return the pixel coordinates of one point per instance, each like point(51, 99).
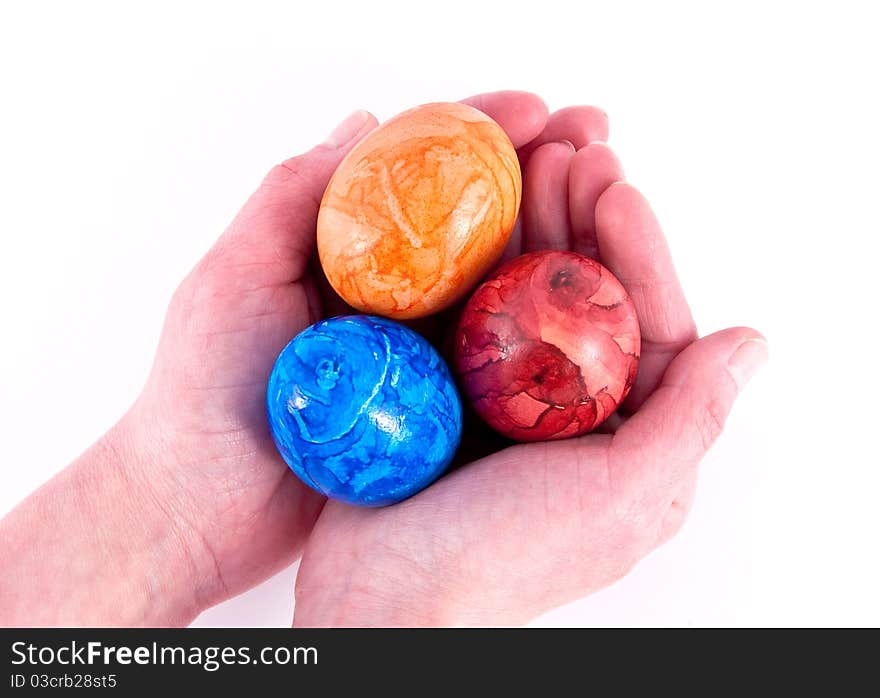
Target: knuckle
point(710, 422)
point(183, 298)
point(283, 172)
point(302, 172)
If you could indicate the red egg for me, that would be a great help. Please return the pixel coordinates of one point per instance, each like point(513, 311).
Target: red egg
point(548, 347)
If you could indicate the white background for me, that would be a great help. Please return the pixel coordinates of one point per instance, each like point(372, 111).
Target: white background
point(128, 139)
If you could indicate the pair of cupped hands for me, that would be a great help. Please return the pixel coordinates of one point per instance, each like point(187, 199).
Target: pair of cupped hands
point(496, 541)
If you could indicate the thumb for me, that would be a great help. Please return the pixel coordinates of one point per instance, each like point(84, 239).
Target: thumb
point(275, 230)
point(658, 448)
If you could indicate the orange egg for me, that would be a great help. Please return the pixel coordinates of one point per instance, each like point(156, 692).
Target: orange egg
point(419, 211)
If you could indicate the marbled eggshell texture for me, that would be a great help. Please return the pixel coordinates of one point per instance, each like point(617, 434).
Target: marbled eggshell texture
point(419, 211)
point(363, 410)
point(548, 347)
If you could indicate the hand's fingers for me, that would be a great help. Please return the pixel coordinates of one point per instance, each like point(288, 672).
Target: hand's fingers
point(514, 246)
point(594, 168)
point(522, 115)
point(545, 223)
point(657, 449)
point(577, 125)
point(632, 246)
point(273, 235)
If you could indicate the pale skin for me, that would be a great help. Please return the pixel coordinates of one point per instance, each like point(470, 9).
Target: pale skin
point(185, 502)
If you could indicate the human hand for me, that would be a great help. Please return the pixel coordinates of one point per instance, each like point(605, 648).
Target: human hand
point(213, 469)
point(186, 502)
point(530, 527)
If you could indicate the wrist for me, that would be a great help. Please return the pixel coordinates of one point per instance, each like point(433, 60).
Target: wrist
point(95, 546)
point(152, 549)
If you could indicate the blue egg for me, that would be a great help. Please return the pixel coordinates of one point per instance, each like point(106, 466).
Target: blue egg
point(363, 410)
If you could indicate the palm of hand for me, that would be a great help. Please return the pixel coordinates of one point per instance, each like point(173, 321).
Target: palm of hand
point(509, 535)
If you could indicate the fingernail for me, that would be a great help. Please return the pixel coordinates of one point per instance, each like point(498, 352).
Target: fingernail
point(745, 361)
point(348, 129)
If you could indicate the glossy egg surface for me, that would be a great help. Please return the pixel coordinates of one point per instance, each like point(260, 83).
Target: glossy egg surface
point(419, 211)
point(548, 347)
point(363, 410)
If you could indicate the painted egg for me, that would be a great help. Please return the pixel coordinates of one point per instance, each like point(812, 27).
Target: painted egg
point(419, 211)
point(363, 410)
point(548, 347)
